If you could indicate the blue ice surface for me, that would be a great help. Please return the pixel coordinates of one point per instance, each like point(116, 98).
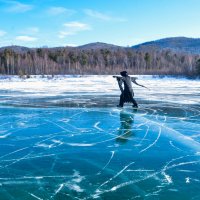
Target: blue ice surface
point(73, 151)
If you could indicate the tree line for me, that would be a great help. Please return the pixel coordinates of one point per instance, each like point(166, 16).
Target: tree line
point(53, 61)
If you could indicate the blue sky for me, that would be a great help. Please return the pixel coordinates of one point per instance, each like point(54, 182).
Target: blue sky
point(36, 23)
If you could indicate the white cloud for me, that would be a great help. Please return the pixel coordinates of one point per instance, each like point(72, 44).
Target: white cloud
point(63, 34)
point(102, 16)
point(59, 10)
point(77, 25)
point(18, 7)
point(26, 38)
point(2, 33)
point(96, 14)
point(72, 28)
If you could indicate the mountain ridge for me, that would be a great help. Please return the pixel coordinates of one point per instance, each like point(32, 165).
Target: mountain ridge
point(177, 44)
point(93, 45)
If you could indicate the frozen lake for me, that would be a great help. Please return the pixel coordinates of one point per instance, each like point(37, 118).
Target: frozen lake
point(64, 138)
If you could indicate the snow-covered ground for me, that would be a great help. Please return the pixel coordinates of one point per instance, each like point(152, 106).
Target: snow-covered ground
point(177, 90)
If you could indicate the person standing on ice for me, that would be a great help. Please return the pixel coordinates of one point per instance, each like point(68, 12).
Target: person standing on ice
point(126, 91)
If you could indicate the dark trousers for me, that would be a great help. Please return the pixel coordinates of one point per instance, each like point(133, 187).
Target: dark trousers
point(122, 100)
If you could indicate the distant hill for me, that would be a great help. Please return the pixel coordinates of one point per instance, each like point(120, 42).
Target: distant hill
point(178, 44)
point(98, 45)
point(19, 49)
point(90, 46)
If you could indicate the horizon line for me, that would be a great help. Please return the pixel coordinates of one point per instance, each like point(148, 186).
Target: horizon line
point(127, 46)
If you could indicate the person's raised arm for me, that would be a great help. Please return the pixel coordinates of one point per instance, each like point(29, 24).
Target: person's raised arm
point(117, 77)
point(133, 79)
point(120, 82)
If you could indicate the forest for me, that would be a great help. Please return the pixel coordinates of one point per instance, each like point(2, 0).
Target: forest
point(75, 60)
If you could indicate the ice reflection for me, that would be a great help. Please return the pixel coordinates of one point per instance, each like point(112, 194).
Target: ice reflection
point(126, 126)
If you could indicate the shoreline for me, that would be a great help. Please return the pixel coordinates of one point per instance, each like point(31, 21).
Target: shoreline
point(49, 76)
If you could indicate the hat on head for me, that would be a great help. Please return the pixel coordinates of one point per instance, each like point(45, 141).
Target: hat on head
point(124, 73)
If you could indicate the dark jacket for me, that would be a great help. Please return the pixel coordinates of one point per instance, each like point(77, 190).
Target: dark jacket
point(127, 90)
